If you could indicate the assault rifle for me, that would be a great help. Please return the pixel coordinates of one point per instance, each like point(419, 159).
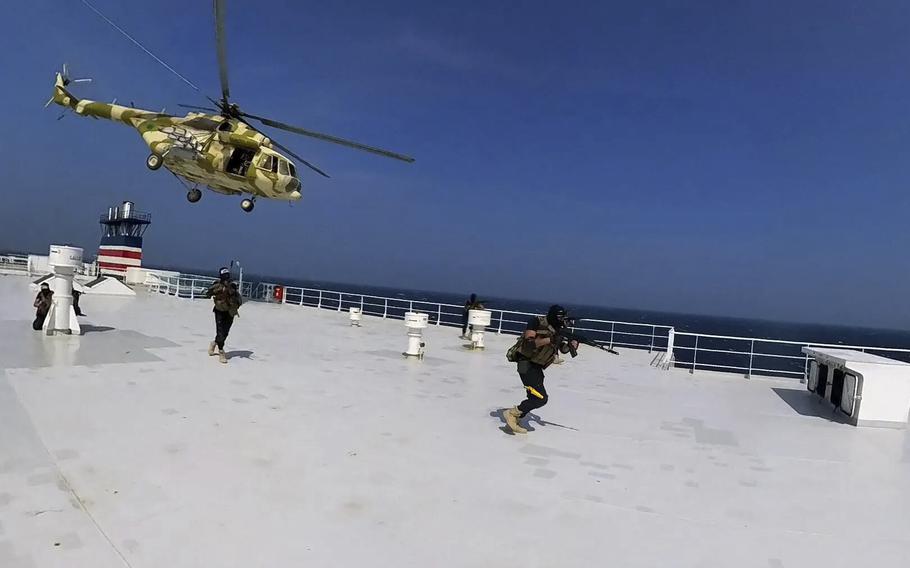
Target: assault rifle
point(566, 337)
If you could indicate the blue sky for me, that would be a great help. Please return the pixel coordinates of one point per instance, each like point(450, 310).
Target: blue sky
point(729, 158)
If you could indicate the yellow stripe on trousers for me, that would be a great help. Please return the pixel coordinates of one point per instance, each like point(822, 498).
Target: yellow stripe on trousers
point(534, 391)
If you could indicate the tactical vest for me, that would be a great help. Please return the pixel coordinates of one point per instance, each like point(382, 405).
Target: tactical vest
point(225, 298)
point(543, 355)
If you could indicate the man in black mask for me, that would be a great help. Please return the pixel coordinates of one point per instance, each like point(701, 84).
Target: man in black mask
point(227, 303)
point(534, 351)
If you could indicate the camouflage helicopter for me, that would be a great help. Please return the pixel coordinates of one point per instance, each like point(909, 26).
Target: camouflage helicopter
point(218, 149)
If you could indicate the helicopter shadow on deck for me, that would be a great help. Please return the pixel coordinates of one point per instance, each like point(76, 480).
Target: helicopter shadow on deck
point(239, 354)
point(526, 422)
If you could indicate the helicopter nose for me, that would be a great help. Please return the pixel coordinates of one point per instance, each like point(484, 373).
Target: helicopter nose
point(294, 185)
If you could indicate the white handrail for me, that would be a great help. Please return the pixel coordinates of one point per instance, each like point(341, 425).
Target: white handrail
point(635, 335)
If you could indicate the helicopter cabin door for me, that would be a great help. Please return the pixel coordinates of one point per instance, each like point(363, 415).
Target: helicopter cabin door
point(240, 158)
point(240, 161)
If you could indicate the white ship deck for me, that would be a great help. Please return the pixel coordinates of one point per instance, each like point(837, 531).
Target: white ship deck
point(319, 445)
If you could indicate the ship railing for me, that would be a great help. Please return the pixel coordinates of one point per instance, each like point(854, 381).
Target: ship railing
point(14, 262)
point(113, 217)
point(190, 286)
point(636, 335)
point(20, 263)
point(753, 356)
point(748, 356)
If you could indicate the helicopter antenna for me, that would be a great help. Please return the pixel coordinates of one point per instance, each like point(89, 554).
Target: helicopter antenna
point(140, 46)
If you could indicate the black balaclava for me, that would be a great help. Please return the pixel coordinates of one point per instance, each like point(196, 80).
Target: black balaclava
point(224, 273)
point(556, 316)
point(473, 298)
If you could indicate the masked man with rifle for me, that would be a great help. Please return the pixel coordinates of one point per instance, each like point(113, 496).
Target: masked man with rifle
point(535, 351)
point(227, 303)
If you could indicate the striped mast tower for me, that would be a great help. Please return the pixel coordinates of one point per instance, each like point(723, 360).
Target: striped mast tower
point(122, 228)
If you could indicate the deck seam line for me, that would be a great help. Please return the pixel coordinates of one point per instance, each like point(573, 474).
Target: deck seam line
point(70, 488)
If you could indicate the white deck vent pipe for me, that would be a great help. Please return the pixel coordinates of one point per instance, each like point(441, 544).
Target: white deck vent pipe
point(356, 316)
point(61, 318)
point(479, 320)
point(416, 323)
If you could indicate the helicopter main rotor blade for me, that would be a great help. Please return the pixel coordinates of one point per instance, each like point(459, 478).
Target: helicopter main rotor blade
point(330, 138)
point(139, 45)
point(194, 107)
point(299, 159)
point(222, 51)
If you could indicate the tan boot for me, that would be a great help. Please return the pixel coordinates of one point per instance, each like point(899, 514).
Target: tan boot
point(512, 415)
point(221, 356)
point(212, 346)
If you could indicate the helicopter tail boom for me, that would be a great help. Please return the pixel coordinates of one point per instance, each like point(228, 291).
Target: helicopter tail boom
point(84, 107)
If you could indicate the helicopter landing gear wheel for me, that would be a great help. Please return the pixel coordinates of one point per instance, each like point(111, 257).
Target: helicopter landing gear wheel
point(247, 205)
point(193, 195)
point(154, 161)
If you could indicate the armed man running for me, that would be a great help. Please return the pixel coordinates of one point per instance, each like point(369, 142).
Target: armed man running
point(534, 351)
point(227, 303)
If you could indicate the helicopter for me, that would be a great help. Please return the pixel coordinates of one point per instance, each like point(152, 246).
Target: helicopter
point(215, 147)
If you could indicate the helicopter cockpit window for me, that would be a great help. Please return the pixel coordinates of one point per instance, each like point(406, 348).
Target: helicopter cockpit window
point(282, 167)
point(266, 162)
point(293, 169)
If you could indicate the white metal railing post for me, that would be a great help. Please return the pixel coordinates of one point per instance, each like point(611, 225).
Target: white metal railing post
point(779, 363)
point(751, 354)
point(805, 370)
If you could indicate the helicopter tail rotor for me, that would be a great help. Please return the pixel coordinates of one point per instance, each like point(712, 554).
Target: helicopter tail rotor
point(62, 96)
point(67, 80)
